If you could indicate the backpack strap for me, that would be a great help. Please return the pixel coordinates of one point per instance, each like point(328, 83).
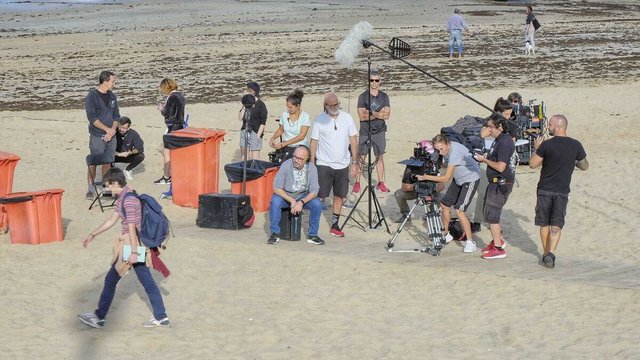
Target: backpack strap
point(129, 194)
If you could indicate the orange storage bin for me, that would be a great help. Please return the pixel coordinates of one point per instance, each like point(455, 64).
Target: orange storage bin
point(259, 190)
point(195, 158)
point(8, 164)
point(34, 217)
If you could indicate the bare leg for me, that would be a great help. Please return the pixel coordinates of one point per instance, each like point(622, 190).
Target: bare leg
point(363, 159)
point(105, 169)
point(166, 155)
point(380, 168)
point(554, 238)
point(496, 234)
point(544, 238)
point(445, 216)
point(91, 174)
point(255, 154)
point(337, 204)
point(466, 225)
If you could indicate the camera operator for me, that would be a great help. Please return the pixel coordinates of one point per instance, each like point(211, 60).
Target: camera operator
point(465, 172)
point(500, 177)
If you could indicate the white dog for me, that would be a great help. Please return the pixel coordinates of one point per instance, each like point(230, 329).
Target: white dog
point(529, 49)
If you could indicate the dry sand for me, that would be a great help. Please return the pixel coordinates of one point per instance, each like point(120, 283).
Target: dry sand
point(233, 297)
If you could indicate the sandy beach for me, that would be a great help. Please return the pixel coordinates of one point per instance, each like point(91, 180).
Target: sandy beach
point(231, 296)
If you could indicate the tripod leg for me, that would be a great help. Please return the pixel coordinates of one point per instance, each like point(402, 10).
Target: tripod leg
point(355, 206)
point(379, 213)
point(404, 221)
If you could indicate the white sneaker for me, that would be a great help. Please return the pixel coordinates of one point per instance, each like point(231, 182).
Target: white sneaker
point(448, 238)
point(153, 322)
point(469, 246)
point(128, 175)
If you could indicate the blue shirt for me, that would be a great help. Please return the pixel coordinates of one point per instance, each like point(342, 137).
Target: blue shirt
point(456, 22)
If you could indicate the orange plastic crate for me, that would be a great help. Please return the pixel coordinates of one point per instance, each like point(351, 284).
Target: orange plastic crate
point(259, 190)
point(8, 164)
point(195, 168)
point(34, 217)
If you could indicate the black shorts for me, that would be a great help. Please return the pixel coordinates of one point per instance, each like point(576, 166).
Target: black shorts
point(174, 127)
point(460, 196)
point(329, 178)
point(551, 208)
point(494, 201)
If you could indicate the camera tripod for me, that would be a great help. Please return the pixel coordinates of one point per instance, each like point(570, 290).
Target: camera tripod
point(374, 203)
point(434, 227)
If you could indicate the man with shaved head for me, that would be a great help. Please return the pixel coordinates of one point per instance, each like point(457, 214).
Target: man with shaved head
point(558, 156)
point(332, 133)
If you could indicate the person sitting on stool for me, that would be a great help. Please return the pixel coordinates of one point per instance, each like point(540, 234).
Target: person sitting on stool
point(129, 148)
point(296, 186)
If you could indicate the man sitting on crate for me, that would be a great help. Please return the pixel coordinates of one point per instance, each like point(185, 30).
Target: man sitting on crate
point(296, 186)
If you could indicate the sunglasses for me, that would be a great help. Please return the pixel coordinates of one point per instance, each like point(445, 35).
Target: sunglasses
point(374, 80)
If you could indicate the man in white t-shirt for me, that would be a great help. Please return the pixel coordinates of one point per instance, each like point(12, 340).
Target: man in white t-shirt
point(332, 133)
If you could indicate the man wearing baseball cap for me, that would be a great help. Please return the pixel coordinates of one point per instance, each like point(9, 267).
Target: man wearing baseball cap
point(254, 124)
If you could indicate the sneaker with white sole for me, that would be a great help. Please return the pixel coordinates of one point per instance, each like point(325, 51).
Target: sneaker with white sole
point(492, 246)
point(448, 238)
point(315, 240)
point(273, 239)
point(494, 254)
point(153, 322)
point(336, 232)
point(469, 246)
point(92, 320)
point(163, 180)
point(128, 175)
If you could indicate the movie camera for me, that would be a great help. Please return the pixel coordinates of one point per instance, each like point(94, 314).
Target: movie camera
point(425, 161)
point(531, 122)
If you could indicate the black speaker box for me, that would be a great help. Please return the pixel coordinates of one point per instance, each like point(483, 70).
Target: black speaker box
point(222, 211)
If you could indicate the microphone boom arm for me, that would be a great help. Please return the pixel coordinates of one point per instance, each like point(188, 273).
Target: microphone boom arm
point(371, 44)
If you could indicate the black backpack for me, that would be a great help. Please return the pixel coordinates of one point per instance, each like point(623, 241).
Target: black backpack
point(470, 142)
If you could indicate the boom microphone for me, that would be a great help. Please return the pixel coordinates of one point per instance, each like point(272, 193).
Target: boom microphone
point(354, 43)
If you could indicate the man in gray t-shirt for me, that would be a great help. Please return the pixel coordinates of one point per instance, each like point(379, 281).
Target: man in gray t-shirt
point(296, 186)
point(465, 172)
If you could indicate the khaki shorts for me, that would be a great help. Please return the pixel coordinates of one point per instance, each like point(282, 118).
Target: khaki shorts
point(255, 143)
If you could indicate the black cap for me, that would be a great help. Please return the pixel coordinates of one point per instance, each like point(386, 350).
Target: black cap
point(255, 87)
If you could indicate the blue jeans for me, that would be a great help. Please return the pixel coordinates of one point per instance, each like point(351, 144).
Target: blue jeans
point(278, 203)
point(145, 278)
point(455, 38)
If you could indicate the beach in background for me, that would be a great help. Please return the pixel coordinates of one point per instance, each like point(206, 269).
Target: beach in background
point(231, 296)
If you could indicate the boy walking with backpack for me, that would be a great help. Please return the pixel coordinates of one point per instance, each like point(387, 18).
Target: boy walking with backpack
point(129, 210)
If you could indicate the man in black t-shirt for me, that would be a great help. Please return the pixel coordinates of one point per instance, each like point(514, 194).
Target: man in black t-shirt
point(500, 176)
point(558, 156)
point(129, 148)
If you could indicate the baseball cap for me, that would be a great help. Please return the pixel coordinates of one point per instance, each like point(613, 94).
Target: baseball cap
point(255, 87)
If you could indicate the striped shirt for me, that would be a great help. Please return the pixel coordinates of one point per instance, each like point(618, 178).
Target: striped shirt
point(132, 208)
